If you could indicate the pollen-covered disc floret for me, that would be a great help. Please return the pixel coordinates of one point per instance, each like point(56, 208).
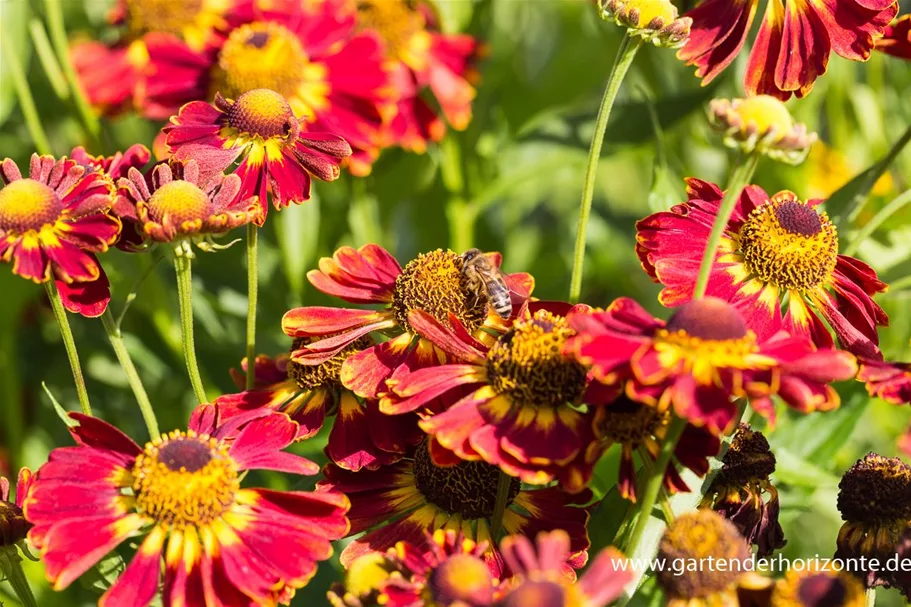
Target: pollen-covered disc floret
point(762, 124)
point(185, 481)
point(654, 21)
point(180, 202)
point(462, 579)
point(27, 204)
point(817, 587)
point(528, 365)
point(263, 113)
point(468, 489)
point(789, 244)
point(693, 538)
point(433, 282)
point(396, 21)
point(325, 374)
point(168, 16)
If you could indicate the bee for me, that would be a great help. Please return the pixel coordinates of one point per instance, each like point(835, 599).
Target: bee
point(485, 280)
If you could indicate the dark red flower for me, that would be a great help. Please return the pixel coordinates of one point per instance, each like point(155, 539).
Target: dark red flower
point(890, 381)
point(896, 40)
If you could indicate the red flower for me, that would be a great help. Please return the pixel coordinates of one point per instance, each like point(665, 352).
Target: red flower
point(222, 545)
point(432, 282)
point(424, 57)
point(173, 202)
point(774, 252)
point(539, 579)
point(704, 356)
point(896, 40)
point(794, 42)
point(260, 130)
point(515, 402)
point(334, 79)
point(51, 225)
point(116, 166)
point(405, 500)
point(890, 381)
point(109, 73)
point(361, 436)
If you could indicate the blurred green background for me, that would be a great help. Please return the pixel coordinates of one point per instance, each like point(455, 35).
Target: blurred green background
point(512, 183)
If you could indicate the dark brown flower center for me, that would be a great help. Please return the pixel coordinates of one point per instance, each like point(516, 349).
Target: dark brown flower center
point(876, 489)
point(170, 16)
point(13, 526)
point(188, 455)
point(326, 374)
point(27, 204)
point(262, 112)
point(433, 282)
point(822, 589)
point(179, 202)
point(749, 459)
point(786, 243)
point(628, 422)
point(468, 488)
point(709, 318)
point(528, 364)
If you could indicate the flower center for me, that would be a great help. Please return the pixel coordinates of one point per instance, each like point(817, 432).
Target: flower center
point(652, 9)
point(326, 374)
point(544, 593)
point(692, 538)
point(433, 282)
point(396, 21)
point(171, 16)
point(185, 480)
point(179, 201)
point(528, 364)
point(13, 526)
point(468, 488)
point(26, 204)
point(625, 421)
point(822, 589)
point(876, 489)
point(748, 460)
point(269, 56)
point(261, 112)
point(461, 579)
point(788, 244)
point(766, 113)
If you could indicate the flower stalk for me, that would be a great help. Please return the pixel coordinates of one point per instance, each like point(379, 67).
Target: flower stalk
point(504, 482)
point(897, 204)
point(26, 101)
point(69, 343)
point(625, 55)
point(182, 264)
point(252, 296)
point(10, 564)
point(740, 177)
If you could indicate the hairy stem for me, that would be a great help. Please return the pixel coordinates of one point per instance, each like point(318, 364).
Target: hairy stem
point(70, 344)
point(252, 295)
point(182, 264)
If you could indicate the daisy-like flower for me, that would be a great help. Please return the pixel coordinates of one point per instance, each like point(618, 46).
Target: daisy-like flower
point(173, 203)
point(654, 21)
point(874, 498)
point(260, 131)
point(538, 578)
point(737, 493)
point(776, 252)
point(896, 40)
point(402, 501)
point(452, 572)
point(52, 223)
point(816, 586)
point(334, 79)
point(701, 358)
point(779, 62)
point(691, 540)
point(361, 436)
point(890, 381)
point(514, 402)
point(762, 124)
point(639, 427)
point(222, 545)
point(424, 58)
point(432, 282)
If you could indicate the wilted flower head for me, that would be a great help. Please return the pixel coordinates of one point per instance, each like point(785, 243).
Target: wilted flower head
point(13, 526)
point(762, 124)
point(654, 21)
point(874, 499)
point(738, 490)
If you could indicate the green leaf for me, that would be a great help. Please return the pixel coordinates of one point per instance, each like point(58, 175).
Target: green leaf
point(103, 575)
point(62, 413)
point(795, 470)
point(819, 436)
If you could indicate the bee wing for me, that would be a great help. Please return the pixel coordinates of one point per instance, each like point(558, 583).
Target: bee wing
point(494, 258)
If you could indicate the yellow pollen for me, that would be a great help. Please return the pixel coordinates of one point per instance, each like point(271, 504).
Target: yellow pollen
point(261, 112)
point(765, 113)
point(170, 16)
point(396, 21)
point(185, 480)
point(179, 201)
point(788, 244)
point(366, 574)
point(433, 282)
point(269, 56)
point(26, 204)
point(651, 9)
point(527, 363)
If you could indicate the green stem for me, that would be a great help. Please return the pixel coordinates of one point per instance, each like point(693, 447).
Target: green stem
point(462, 217)
point(10, 564)
point(26, 101)
point(252, 295)
point(182, 264)
point(499, 510)
point(740, 177)
point(459, 212)
point(61, 45)
point(655, 482)
point(126, 362)
point(48, 60)
point(860, 199)
point(625, 55)
point(885, 213)
point(70, 344)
